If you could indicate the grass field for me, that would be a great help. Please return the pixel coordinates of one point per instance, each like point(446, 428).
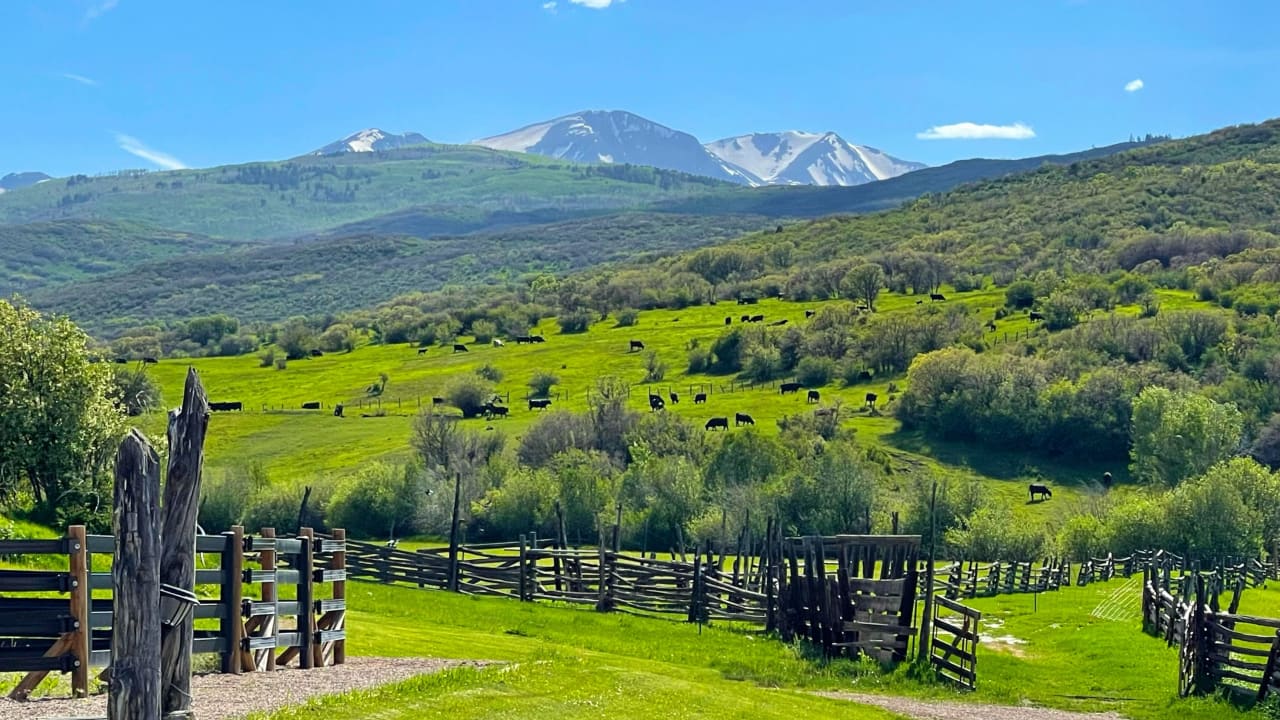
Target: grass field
point(295, 446)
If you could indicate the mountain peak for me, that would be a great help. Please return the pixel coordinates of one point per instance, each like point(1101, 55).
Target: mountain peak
point(14, 181)
point(796, 157)
point(371, 140)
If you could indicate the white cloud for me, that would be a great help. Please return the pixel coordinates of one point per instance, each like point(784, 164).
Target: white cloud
point(549, 6)
point(596, 4)
point(99, 8)
point(134, 146)
point(975, 131)
point(1134, 85)
point(81, 79)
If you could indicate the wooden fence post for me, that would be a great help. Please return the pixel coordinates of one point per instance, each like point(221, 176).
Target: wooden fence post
point(306, 596)
point(177, 560)
point(267, 559)
point(453, 533)
point(135, 686)
point(339, 562)
point(231, 595)
point(81, 599)
point(602, 586)
point(524, 569)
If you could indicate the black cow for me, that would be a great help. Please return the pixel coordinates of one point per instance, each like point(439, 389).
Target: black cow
point(864, 376)
point(314, 405)
point(720, 422)
point(225, 406)
point(936, 297)
point(814, 396)
point(1042, 490)
point(746, 318)
point(491, 410)
point(459, 348)
point(675, 398)
point(991, 325)
point(1036, 316)
point(743, 419)
point(699, 398)
point(316, 353)
point(150, 360)
point(728, 321)
point(789, 387)
point(871, 399)
point(522, 339)
point(747, 301)
point(337, 410)
point(809, 313)
point(422, 351)
point(539, 403)
point(776, 323)
point(121, 361)
point(757, 318)
point(635, 345)
point(437, 401)
point(537, 339)
point(919, 302)
point(656, 402)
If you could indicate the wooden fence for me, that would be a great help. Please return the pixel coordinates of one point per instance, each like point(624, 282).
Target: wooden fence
point(953, 642)
point(239, 617)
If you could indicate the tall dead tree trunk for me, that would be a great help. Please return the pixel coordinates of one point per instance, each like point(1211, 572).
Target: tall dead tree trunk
point(177, 561)
point(134, 689)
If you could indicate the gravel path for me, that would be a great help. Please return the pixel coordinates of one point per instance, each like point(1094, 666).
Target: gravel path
point(942, 710)
point(223, 697)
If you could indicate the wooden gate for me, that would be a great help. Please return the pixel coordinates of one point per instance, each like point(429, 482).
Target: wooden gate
point(953, 647)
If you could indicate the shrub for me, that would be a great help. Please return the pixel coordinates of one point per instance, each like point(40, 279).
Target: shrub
point(552, 434)
point(654, 368)
point(379, 500)
point(627, 317)
point(851, 371)
point(490, 373)
point(1082, 537)
point(1021, 294)
point(282, 363)
point(267, 358)
point(274, 507)
point(991, 533)
point(337, 338)
point(484, 330)
point(575, 321)
point(469, 393)
point(222, 498)
point(699, 360)
point(296, 338)
point(763, 363)
point(232, 345)
point(541, 383)
point(815, 371)
point(135, 391)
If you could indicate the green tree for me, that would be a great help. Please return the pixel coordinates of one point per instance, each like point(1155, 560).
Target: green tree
point(1179, 435)
point(59, 423)
point(296, 338)
point(1020, 294)
point(469, 393)
point(484, 330)
point(864, 282)
point(379, 499)
point(135, 390)
point(541, 382)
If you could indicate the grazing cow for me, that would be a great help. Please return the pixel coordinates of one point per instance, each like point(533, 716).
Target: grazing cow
point(747, 301)
point(720, 422)
point(656, 402)
point(635, 345)
point(809, 313)
point(743, 419)
point(777, 323)
point(1106, 480)
point(522, 339)
point(699, 398)
point(316, 353)
point(121, 361)
point(675, 398)
point(337, 410)
point(497, 342)
point(225, 406)
point(537, 339)
point(746, 318)
point(789, 387)
point(991, 325)
point(1036, 316)
point(814, 396)
point(314, 405)
point(919, 302)
point(422, 351)
point(1042, 490)
point(457, 347)
point(728, 321)
point(539, 403)
point(492, 411)
point(864, 376)
point(757, 318)
point(150, 360)
point(936, 297)
point(871, 399)
point(437, 401)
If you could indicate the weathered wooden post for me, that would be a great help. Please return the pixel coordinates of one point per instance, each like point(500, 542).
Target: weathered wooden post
point(453, 533)
point(79, 553)
point(926, 617)
point(231, 597)
point(134, 689)
point(187, 428)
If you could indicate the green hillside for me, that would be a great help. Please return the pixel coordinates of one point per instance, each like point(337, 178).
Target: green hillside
point(455, 188)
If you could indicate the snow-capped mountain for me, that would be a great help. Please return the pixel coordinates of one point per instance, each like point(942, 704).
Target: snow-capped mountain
point(371, 140)
point(801, 158)
point(615, 136)
point(14, 181)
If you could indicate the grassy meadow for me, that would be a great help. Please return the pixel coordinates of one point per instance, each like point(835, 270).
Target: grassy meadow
point(295, 446)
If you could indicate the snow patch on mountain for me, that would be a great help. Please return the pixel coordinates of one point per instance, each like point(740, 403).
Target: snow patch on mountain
point(803, 158)
point(371, 140)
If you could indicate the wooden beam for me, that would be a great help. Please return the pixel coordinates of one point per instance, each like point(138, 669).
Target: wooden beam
point(135, 687)
point(78, 546)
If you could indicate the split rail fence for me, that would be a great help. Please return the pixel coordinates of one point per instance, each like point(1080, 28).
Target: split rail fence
point(61, 620)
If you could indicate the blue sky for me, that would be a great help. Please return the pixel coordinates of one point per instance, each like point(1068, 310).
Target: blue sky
point(97, 85)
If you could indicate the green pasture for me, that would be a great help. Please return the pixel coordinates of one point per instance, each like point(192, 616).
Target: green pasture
point(296, 446)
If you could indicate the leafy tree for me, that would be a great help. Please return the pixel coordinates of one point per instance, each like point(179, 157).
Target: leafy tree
point(1211, 520)
point(1063, 309)
point(575, 321)
point(1178, 435)
point(832, 493)
point(1082, 537)
point(1020, 294)
point(991, 533)
point(296, 338)
point(484, 330)
point(627, 317)
point(210, 328)
point(469, 393)
point(747, 458)
point(541, 383)
point(554, 433)
point(864, 282)
point(136, 391)
point(379, 499)
point(59, 423)
point(815, 371)
point(339, 337)
point(446, 448)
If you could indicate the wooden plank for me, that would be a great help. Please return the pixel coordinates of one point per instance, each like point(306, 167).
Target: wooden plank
point(78, 548)
point(961, 633)
point(958, 608)
point(64, 645)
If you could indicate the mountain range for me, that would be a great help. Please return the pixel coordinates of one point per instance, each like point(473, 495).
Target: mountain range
point(15, 181)
point(781, 158)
